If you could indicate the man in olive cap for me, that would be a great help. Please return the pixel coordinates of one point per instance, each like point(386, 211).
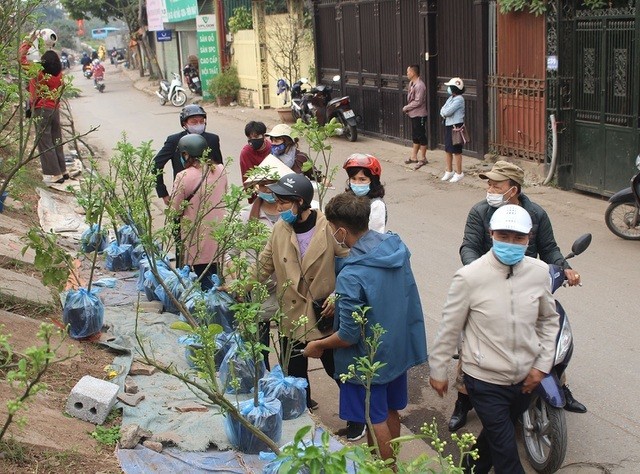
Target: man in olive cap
point(505, 182)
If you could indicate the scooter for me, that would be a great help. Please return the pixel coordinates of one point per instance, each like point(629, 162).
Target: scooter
point(623, 214)
point(544, 428)
point(64, 60)
point(87, 70)
point(317, 102)
point(173, 92)
point(99, 84)
point(192, 79)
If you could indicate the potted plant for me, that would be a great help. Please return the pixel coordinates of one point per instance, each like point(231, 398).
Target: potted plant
point(225, 86)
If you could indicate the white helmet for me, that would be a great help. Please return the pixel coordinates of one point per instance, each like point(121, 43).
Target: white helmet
point(511, 217)
point(96, 62)
point(49, 37)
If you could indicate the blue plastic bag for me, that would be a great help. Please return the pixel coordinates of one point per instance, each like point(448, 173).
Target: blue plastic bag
point(128, 235)
point(176, 284)
point(118, 257)
point(224, 341)
point(291, 391)
point(150, 283)
point(219, 309)
point(93, 239)
point(267, 417)
point(238, 364)
point(83, 313)
point(137, 254)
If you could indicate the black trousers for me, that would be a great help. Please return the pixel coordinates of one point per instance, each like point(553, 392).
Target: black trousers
point(199, 269)
point(299, 364)
point(498, 407)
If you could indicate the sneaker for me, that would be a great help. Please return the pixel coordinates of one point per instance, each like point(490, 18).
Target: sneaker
point(312, 405)
point(447, 176)
point(456, 177)
point(355, 431)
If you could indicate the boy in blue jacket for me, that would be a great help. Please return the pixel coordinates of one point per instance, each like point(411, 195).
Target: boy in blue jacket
point(375, 274)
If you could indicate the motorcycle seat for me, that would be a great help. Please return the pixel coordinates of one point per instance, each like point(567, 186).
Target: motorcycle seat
point(335, 101)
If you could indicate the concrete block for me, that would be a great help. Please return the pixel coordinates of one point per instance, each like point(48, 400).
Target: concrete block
point(92, 399)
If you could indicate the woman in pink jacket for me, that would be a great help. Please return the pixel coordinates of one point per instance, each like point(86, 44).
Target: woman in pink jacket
point(197, 198)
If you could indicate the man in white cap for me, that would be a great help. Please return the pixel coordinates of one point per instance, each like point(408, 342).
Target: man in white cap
point(502, 305)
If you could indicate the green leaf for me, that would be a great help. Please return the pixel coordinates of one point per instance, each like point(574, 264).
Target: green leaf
point(181, 326)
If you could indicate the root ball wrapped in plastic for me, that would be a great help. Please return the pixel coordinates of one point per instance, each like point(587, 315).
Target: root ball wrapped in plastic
point(291, 391)
point(83, 313)
point(93, 239)
point(118, 257)
point(266, 416)
point(239, 365)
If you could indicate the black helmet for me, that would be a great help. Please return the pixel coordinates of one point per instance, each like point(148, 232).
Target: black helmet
point(294, 185)
point(193, 144)
point(190, 111)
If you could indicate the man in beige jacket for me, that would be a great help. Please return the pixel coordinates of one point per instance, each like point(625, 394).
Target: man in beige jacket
point(503, 306)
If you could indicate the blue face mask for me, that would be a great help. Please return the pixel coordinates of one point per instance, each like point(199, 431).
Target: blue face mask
point(278, 150)
point(508, 253)
point(360, 189)
point(288, 216)
point(267, 197)
point(449, 91)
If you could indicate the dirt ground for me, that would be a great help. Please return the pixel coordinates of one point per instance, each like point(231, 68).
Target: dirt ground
point(50, 441)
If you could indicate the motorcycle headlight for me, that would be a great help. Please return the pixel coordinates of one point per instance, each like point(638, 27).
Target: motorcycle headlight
point(564, 342)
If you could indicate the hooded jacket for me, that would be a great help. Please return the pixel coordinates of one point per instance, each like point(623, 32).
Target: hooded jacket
point(377, 274)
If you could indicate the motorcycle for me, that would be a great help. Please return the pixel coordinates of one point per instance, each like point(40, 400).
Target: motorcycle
point(192, 79)
point(87, 70)
point(544, 428)
point(64, 60)
point(623, 214)
point(172, 91)
point(99, 84)
point(317, 102)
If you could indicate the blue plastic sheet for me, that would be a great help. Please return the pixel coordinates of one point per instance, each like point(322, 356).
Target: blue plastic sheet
point(83, 313)
point(266, 416)
point(107, 282)
point(291, 391)
point(118, 257)
point(237, 364)
point(93, 239)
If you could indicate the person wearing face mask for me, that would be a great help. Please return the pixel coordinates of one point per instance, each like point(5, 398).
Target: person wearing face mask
point(377, 275)
point(453, 114)
point(503, 306)
point(285, 147)
point(256, 149)
point(197, 197)
point(301, 251)
point(364, 173)
point(505, 182)
point(193, 119)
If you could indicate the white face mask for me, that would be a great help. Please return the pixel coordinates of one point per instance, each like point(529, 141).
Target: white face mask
point(197, 128)
point(497, 200)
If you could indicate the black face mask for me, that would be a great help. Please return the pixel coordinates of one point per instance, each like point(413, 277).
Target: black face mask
point(256, 143)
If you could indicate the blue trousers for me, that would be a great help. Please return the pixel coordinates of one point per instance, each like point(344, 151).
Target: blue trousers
point(498, 407)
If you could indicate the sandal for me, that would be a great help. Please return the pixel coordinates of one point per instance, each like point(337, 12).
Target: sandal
point(408, 161)
point(420, 164)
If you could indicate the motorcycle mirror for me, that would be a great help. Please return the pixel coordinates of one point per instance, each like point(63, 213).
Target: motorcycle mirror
point(336, 78)
point(580, 245)
point(638, 162)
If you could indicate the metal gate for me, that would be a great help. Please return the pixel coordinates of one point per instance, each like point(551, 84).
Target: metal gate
point(597, 95)
point(370, 43)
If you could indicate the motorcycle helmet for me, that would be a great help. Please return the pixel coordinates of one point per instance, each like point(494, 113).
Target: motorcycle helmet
point(360, 160)
point(511, 217)
point(191, 110)
point(95, 62)
point(193, 144)
point(48, 37)
point(294, 186)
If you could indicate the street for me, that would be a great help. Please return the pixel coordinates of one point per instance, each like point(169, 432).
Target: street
point(430, 215)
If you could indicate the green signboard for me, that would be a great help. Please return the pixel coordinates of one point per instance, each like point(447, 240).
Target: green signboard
point(208, 56)
point(180, 10)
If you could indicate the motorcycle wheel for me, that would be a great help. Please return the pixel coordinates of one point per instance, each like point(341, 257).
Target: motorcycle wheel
point(350, 132)
point(618, 217)
point(179, 98)
point(544, 431)
point(162, 100)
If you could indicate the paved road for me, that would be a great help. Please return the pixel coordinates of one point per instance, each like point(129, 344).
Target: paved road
point(430, 216)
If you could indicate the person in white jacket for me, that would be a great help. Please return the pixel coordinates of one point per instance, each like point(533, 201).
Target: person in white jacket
point(503, 306)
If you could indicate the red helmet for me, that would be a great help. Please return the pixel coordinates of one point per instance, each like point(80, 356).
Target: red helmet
point(360, 160)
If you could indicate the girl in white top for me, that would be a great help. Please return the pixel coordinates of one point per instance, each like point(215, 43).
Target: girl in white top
point(364, 180)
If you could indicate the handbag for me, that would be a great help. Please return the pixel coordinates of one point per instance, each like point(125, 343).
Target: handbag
point(459, 135)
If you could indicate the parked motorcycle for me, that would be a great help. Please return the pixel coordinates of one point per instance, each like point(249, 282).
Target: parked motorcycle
point(192, 79)
point(623, 214)
point(172, 92)
point(544, 428)
point(317, 102)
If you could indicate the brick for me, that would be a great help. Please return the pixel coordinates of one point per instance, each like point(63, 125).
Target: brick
point(130, 436)
point(188, 407)
point(138, 368)
point(130, 386)
point(131, 399)
point(153, 445)
point(150, 307)
point(92, 399)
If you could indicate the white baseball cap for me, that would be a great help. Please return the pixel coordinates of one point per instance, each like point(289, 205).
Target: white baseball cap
point(511, 217)
point(455, 81)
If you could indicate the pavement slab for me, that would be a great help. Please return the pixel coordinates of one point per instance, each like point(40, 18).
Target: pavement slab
point(24, 288)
